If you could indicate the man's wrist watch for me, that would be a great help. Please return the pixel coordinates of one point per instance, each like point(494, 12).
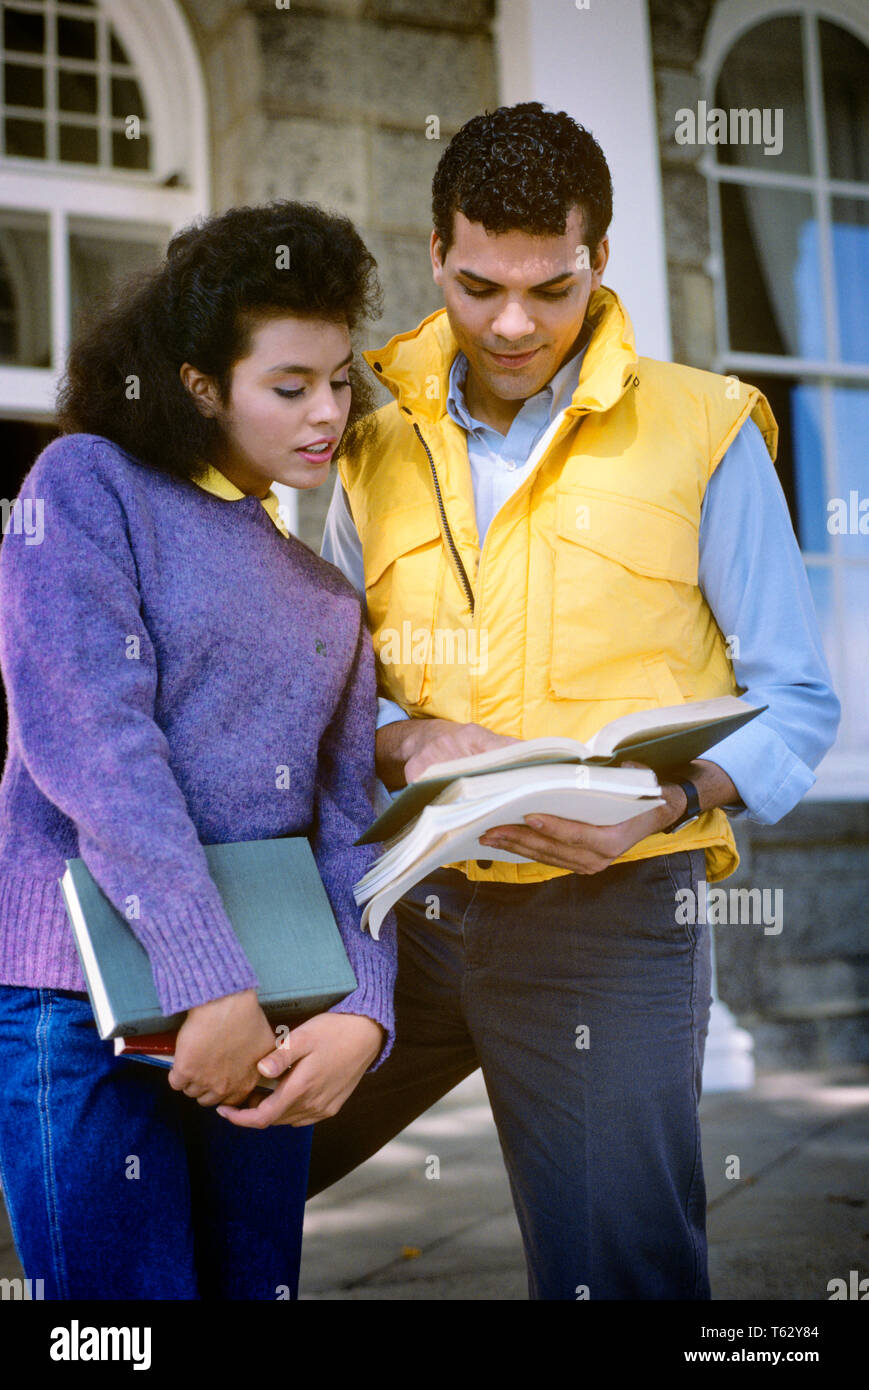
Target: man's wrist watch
point(692, 809)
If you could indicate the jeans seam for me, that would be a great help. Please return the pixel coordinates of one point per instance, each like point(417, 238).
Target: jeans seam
point(692, 938)
point(690, 932)
point(469, 904)
point(44, 1111)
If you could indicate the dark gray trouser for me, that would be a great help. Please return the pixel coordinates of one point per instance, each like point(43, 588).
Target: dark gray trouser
point(601, 1142)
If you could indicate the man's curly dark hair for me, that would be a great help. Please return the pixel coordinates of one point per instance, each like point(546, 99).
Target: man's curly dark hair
point(522, 168)
point(220, 278)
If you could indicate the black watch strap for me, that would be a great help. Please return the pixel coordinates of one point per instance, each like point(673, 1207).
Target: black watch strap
point(692, 809)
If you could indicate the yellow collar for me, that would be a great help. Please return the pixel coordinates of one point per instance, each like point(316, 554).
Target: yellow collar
point(219, 485)
point(416, 365)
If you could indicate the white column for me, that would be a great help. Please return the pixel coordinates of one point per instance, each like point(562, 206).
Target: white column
point(729, 1061)
point(288, 497)
point(595, 63)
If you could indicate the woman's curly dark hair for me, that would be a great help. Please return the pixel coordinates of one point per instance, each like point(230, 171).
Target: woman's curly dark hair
point(522, 168)
point(220, 277)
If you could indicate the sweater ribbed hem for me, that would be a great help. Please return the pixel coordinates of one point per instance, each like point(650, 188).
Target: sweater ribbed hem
point(194, 952)
point(36, 942)
point(373, 998)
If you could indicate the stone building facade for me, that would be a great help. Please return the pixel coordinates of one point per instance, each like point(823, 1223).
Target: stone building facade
point(333, 103)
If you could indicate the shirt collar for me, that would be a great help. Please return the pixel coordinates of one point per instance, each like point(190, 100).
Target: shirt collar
point(215, 482)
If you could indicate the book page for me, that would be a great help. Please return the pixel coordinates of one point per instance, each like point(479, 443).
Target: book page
point(650, 723)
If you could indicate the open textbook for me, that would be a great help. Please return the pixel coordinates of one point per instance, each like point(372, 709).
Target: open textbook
point(439, 818)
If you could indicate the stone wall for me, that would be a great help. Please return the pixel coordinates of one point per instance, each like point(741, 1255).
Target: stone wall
point(332, 102)
point(803, 993)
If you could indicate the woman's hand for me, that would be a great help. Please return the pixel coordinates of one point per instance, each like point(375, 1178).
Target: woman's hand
point(218, 1047)
point(326, 1057)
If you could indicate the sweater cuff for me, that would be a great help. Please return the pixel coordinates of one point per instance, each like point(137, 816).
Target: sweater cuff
point(373, 998)
point(195, 955)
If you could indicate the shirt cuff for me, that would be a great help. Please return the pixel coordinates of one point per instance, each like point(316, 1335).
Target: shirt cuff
point(770, 778)
point(388, 712)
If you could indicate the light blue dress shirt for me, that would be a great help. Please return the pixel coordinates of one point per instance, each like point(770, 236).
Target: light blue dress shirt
point(751, 574)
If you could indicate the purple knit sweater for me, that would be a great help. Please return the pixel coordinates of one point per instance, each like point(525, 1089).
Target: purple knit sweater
point(178, 673)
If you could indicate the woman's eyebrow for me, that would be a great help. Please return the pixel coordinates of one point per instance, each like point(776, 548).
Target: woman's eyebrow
point(306, 371)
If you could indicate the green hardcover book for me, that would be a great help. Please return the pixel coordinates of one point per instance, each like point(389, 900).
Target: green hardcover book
point(278, 906)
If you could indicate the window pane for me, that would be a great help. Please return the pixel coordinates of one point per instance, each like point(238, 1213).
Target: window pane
point(851, 412)
point(771, 259)
point(24, 267)
point(25, 139)
point(77, 91)
point(127, 97)
point(845, 68)
point(118, 52)
point(23, 32)
point(77, 38)
point(799, 463)
point(851, 261)
point(79, 144)
point(130, 154)
point(764, 72)
point(101, 255)
point(23, 86)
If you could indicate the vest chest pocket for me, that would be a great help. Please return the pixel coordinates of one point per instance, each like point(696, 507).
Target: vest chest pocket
point(403, 558)
point(619, 602)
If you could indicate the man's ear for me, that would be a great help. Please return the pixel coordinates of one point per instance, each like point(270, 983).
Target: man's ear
point(602, 255)
point(201, 388)
point(436, 252)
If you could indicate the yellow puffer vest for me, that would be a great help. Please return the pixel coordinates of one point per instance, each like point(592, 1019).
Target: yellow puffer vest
point(586, 604)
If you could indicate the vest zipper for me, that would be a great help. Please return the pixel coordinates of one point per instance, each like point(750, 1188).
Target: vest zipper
point(446, 526)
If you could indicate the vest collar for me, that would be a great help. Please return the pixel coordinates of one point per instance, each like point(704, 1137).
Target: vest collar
point(416, 365)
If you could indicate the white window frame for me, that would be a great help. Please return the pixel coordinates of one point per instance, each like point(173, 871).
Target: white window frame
point(166, 63)
point(843, 775)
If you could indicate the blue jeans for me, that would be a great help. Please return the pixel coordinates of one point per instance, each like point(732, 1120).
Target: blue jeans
point(599, 1129)
point(119, 1187)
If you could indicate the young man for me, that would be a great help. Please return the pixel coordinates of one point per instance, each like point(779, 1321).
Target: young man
point(595, 523)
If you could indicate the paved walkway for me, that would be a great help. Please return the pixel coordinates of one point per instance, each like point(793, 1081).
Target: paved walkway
point(796, 1217)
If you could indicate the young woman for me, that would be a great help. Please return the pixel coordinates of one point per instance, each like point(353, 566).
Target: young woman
point(169, 651)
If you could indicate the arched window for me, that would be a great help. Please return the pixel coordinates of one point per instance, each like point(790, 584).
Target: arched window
point(70, 93)
point(790, 228)
point(102, 157)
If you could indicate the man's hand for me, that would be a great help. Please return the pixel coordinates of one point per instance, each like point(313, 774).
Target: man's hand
point(218, 1046)
point(587, 849)
point(326, 1058)
point(406, 748)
